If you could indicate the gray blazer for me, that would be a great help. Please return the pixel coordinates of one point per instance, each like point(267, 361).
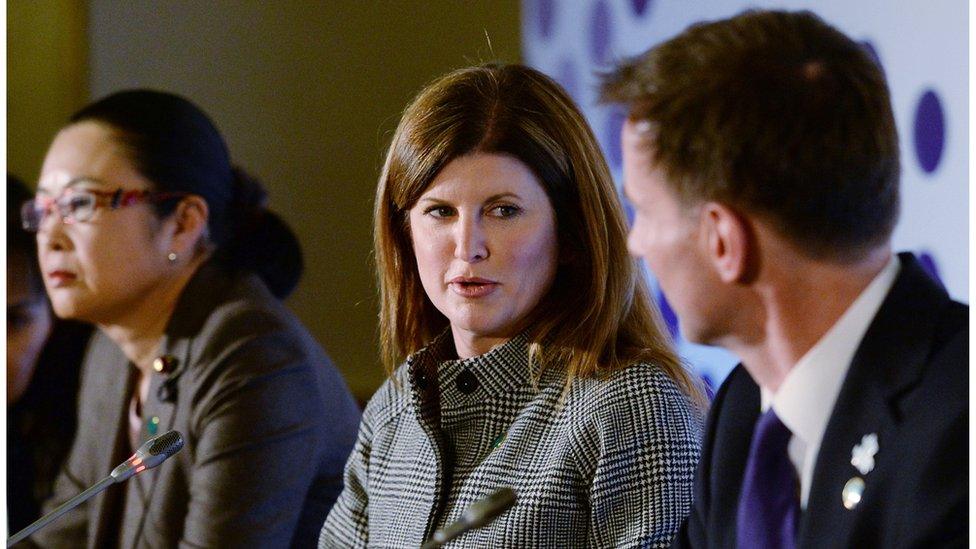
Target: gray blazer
point(267, 420)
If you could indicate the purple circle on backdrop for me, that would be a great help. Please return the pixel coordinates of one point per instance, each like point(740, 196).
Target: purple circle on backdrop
point(640, 6)
point(929, 131)
point(611, 136)
point(930, 267)
point(545, 13)
point(670, 319)
point(600, 33)
point(568, 79)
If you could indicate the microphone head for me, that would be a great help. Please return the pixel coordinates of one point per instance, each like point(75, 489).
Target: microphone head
point(152, 452)
point(165, 444)
point(485, 510)
point(159, 448)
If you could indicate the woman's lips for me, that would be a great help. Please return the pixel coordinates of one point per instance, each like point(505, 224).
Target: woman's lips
point(473, 287)
point(61, 278)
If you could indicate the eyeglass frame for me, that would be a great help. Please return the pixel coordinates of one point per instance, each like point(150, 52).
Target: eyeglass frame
point(114, 200)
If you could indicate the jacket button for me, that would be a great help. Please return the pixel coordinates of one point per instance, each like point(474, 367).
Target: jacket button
point(467, 382)
point(164, 364)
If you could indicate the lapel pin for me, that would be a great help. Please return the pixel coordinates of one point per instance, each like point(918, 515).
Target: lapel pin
point(852, 493)
point(862, 455)
point(499, 440)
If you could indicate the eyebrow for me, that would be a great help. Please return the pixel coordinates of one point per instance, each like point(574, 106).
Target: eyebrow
point(74, 182)
point(491, 198)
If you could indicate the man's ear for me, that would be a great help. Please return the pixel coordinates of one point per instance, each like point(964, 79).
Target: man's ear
point(728, 240)
point(188, 224)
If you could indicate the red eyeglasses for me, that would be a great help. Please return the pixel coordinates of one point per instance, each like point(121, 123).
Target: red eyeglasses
point(75, 204)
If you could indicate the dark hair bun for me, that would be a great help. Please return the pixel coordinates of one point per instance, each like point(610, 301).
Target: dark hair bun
point(261, 242)
point(249, 193)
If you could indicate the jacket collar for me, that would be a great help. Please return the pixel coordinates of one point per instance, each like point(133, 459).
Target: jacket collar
point(497, 372)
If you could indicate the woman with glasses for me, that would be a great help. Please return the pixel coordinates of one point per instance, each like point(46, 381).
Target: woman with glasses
point(523, 348)
point(146, 230)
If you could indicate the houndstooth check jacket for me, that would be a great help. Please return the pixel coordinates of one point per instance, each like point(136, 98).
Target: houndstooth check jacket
point(611, 466)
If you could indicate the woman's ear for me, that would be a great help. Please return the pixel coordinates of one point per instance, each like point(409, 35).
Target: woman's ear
point(188, 225)
point(728, 240)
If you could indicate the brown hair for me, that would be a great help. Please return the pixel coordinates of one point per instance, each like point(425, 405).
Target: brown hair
point(597, 316)
point(777, 113)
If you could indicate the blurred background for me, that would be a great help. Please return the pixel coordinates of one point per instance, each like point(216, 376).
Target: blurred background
point(308, 93)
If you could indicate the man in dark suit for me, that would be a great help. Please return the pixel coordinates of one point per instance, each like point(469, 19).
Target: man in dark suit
point(761, 157)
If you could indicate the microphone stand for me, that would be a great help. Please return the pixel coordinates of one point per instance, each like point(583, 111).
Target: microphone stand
point(153, 452)
point(60, 510)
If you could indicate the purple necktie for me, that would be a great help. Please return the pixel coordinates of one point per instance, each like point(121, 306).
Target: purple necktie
point(768, 504)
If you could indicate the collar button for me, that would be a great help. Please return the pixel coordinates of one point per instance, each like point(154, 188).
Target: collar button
point(467, 382)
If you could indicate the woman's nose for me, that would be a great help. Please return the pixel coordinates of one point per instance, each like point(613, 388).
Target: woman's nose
point(470, 240)
point(50, 232)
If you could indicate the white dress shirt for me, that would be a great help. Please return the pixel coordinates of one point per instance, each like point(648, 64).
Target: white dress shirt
point(807, 395)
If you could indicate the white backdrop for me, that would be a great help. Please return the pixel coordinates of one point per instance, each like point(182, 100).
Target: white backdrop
point(921, 45)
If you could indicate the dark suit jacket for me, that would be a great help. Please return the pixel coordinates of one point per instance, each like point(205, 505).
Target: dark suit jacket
point(267, 421)
point(909, 384)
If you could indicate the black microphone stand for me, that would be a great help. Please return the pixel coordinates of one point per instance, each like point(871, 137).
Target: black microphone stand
point(153, 452)
point(60, 510)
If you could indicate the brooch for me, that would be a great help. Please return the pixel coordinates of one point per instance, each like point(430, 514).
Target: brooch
point(862, 455)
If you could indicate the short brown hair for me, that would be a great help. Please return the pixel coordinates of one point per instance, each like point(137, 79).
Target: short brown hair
point(597, 316)
point(777, 113)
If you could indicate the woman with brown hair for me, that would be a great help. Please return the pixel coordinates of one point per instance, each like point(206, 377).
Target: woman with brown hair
point(533, 357)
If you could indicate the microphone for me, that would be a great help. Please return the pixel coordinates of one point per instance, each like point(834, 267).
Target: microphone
point(153, 452)
point(479, 514)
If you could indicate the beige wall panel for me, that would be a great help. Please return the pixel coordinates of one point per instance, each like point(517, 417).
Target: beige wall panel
point(46, 76)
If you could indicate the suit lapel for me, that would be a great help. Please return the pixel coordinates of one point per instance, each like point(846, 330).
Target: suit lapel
point(738, 411)
point(888, 362)
point(158, 417)
point(860, 411)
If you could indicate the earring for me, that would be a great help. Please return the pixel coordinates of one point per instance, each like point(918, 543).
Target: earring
point(171, 257)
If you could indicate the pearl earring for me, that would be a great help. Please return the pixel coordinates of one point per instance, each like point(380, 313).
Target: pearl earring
point(171, 257)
